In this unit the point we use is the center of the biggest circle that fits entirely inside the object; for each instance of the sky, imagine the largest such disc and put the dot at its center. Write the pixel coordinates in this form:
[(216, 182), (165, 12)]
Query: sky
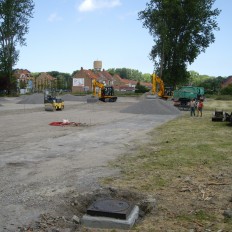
[(65, 35)]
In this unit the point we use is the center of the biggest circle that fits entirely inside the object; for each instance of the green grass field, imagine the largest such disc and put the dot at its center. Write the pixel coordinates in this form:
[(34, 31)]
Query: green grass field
[(187, 167)]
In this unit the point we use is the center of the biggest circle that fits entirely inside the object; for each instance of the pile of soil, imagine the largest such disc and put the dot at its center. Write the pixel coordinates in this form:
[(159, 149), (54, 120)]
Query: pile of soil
[(38, 98), (152, 106), (70, 97)]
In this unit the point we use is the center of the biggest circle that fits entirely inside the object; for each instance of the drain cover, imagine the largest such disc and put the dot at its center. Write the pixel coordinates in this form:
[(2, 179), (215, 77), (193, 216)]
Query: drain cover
[(110, 208)]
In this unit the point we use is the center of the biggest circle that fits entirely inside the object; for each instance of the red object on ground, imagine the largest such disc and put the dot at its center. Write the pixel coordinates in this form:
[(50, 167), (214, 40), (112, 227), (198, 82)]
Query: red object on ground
[(64, 124)]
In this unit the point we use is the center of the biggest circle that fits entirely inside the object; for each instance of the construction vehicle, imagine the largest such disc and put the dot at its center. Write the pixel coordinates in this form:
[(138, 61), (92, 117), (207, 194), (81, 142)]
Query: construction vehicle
[(228, 117), (221, 116), (218, 116), (52, 102), (158, 88), (105, 93), (183, 96)]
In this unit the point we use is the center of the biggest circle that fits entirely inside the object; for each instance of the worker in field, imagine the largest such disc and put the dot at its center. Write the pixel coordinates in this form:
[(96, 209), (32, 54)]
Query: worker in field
[(200, 108), (192, 107)]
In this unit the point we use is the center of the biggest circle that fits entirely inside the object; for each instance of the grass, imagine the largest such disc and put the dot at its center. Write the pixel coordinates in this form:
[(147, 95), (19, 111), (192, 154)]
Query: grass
[(187, 166)]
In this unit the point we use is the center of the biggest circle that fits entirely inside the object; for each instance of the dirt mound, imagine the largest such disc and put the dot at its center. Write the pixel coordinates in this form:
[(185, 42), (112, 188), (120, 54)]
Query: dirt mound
[(70, 97), (2, 99), (38, 98), (152, 106)]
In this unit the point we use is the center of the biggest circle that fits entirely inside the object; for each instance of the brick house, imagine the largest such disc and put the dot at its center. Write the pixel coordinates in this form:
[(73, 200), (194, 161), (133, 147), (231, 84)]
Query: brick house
[(105, 77), (226, 82), (25, 82), (82, 80), (45, 81)]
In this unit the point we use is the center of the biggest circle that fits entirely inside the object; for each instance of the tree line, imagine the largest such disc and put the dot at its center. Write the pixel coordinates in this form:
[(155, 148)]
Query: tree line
[(181, 30)]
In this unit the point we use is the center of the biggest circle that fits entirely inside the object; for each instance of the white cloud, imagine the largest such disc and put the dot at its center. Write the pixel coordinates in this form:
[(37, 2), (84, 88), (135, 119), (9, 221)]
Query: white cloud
[(54, 17), (91, 5)]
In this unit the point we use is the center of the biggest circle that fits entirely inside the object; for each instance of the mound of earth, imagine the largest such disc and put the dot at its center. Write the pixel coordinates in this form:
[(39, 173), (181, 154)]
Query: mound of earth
[(152, 106), (70, 97), (2, 99), (38, 98)]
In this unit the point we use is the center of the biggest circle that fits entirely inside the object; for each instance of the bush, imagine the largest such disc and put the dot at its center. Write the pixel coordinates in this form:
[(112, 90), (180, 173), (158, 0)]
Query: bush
[(140, 88), (227, 90)]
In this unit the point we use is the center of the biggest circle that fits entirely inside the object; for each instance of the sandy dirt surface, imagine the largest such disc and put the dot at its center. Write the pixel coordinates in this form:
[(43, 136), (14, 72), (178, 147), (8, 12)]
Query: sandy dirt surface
[(40, 165)]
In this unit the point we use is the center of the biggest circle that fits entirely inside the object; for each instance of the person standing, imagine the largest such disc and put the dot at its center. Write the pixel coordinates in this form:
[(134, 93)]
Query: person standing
[(192, 107), (199, 108)]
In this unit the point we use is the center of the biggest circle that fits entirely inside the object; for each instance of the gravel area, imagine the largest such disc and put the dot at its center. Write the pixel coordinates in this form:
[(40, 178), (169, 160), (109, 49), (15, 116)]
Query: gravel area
[(152, 106), (43, 166)]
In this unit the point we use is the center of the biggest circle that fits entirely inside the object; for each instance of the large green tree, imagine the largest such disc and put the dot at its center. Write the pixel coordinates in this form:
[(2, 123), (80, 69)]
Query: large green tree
[(127, 73), (181, 30), (14, 25), (64, 80)]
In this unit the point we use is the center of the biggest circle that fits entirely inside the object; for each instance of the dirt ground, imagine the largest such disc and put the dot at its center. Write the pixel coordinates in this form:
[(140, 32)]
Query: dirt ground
[(43, 168)]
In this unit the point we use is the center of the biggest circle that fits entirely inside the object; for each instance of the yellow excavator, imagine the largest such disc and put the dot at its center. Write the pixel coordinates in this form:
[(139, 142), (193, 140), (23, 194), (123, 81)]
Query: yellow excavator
[(105, 93), (52, 102), (161, 92)]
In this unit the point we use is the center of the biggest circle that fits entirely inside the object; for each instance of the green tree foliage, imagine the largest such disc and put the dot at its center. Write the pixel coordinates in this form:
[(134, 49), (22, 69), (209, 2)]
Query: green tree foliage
[(74, 72), (64, 80), (140, 88), (181, 30), (227, 90), (196, 79), (146, 77), (126, 73), (212, 85), (14, 20)]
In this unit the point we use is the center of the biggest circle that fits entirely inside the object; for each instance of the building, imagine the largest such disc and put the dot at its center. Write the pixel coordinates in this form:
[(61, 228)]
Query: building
[(82, 80), (45, 81), (25, 81)]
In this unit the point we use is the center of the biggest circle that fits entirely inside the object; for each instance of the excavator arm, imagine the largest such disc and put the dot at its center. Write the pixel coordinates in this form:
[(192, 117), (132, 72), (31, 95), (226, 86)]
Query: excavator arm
[(100, 86), (157, 81)]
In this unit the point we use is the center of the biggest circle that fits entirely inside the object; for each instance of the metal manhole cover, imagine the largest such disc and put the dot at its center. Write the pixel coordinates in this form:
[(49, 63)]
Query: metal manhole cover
[(110, 208)]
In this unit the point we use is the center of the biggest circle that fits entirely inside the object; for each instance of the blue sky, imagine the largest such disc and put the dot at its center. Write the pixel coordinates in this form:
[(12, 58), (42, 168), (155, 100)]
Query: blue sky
[(66, 35)]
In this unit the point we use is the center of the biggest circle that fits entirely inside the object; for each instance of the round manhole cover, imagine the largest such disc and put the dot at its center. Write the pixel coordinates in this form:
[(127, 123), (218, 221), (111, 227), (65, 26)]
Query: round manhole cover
[(109, 205)]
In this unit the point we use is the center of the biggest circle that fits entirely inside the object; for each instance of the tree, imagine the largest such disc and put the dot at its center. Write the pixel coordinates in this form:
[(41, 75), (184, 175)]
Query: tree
[(181, 30), (227, 90), (64, 80), (196, 79), (126, 73), (14, 20)]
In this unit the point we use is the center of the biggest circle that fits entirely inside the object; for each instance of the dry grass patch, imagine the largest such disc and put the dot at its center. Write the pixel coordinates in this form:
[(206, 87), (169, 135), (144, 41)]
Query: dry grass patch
[(186, 166)]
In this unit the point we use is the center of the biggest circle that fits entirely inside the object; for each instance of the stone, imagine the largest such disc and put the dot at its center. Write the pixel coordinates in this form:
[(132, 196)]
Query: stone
[(76, 219)]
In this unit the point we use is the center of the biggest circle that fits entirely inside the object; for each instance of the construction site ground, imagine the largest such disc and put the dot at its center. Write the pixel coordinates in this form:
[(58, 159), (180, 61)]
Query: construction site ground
[(43, 167)]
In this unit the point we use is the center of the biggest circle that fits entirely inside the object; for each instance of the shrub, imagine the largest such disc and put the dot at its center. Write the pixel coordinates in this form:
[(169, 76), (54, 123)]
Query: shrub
[(140, 88), (227, 90)]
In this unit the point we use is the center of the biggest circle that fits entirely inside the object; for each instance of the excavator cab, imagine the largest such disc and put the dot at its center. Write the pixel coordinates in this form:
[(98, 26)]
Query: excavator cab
[(105, 93)]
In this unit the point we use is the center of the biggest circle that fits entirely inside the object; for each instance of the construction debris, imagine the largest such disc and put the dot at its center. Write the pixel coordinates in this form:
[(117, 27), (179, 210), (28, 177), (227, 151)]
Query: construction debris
[(67, 123)]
